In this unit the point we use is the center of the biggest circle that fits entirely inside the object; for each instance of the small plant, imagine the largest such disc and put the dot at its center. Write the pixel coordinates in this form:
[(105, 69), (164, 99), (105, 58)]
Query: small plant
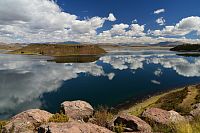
[(172, 100), (102, 116), (2, 123), (119, 128), (195, 125), (62, 118), (197, 98)]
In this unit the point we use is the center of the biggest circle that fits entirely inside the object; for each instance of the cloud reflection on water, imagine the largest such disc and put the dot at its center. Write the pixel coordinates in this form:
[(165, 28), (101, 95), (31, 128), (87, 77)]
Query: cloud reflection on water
[(24, 80)]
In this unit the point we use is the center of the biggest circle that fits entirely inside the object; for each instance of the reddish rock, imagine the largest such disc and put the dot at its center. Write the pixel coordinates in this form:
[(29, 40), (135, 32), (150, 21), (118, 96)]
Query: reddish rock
[(176, 118), (157, 115), (77, 109), (27, 121), (164, 117), (195, 112), (133, 123), (72, 127)]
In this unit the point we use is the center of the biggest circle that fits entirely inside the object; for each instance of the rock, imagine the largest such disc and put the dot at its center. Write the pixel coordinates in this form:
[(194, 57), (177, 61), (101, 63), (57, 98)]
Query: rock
[(157, 115), (27, 121), (132, 123), (163, 117), (77, 110), (196, 106), (176, 118), (72, 127), (195, 112), (189, 118)]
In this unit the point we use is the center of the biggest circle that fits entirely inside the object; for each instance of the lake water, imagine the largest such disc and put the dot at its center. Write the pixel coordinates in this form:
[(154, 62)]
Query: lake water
[(42, 82)]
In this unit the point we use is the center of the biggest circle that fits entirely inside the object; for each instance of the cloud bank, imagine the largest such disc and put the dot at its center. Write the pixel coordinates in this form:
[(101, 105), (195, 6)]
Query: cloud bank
[(38, 21)]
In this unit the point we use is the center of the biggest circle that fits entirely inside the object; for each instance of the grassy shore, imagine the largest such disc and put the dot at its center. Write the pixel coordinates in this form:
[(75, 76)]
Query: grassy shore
[(179, 99)]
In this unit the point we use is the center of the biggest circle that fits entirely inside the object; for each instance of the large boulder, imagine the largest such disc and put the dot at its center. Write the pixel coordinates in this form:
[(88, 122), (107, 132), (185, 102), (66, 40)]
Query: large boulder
[(72, 127), (27, 121), (132, 123), (163, 117), (77, 110), (195, 112), (176, 118), (157, 115)]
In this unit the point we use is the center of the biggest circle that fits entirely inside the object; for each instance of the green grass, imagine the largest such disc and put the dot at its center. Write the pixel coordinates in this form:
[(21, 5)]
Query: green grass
[(150, 102), (195, 125), (171, 101), (197, 98), (59, 118)]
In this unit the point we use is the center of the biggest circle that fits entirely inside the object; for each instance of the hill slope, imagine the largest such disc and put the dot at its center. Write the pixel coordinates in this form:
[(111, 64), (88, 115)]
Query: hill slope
[(59, 50)]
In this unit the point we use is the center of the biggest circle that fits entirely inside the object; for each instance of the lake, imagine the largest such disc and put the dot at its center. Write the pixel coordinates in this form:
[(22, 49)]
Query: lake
[(113, 79)]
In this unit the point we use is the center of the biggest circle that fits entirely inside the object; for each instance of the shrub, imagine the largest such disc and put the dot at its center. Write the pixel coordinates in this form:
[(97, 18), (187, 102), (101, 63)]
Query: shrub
[(157, 127), (172, 100), (62, 118), (102, 116), (2, 123), (197, 98), (119, 128)]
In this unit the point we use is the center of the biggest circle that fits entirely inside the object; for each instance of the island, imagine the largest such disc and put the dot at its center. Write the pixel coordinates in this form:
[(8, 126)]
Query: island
[(59, 50), (186, 48)]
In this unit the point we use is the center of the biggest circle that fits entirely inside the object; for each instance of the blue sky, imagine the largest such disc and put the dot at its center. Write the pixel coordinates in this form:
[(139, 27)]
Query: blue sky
[(127, 10), (100, 21)]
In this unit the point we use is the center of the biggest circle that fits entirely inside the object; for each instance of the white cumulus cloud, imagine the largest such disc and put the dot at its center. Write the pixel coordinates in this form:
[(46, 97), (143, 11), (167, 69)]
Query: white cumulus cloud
[(158, 11), (183, 27), (111, 17), (160, 21), (40, 21)]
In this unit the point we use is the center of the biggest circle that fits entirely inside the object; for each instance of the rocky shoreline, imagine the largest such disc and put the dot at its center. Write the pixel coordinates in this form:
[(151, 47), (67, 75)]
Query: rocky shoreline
[(176, 111)]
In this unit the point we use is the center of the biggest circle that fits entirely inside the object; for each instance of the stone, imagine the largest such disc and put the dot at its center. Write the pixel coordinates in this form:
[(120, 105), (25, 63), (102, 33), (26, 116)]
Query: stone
[(72, 127), (163, 117), (176, 118), (27, 121), (157, 115), (132, 123), (195, 112), (77, 110)]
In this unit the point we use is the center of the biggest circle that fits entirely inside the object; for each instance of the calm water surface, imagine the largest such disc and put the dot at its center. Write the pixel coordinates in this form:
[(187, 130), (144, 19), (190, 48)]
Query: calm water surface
[(40, 82)]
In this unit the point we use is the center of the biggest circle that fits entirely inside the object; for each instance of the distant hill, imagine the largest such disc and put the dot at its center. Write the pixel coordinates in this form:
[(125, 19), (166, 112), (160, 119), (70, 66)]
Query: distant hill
[(5, 46), (187, 48), (167, 44), (59, 50), (68, 42)]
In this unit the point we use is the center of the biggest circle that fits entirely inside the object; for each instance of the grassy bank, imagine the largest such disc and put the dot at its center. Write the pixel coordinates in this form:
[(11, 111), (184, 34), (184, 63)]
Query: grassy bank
[(180, 100)]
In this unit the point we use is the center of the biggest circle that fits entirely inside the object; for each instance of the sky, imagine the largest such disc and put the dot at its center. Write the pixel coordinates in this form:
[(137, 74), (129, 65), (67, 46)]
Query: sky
[(99, 21)]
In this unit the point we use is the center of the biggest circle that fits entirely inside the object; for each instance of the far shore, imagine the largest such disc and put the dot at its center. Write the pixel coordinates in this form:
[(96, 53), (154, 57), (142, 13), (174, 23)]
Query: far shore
[(112, 48), (15, 48)]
